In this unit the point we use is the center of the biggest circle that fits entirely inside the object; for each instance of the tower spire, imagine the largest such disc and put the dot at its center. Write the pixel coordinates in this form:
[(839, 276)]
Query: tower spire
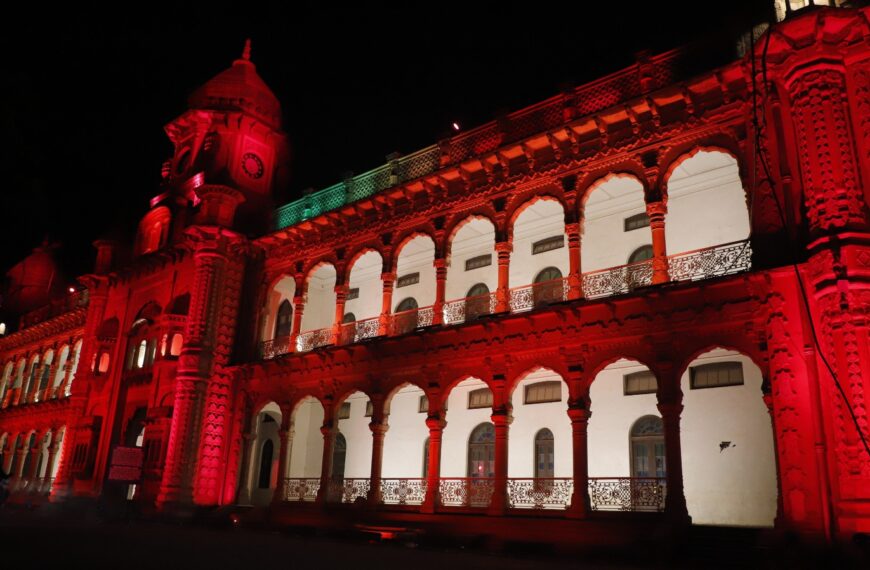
[(246, 53)]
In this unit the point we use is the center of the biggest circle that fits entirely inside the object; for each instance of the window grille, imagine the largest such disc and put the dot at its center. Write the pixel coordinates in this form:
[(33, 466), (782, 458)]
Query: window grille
[(344, 411), (636, 222), (541, 392), (481, 398), (643, 382), (548, 244), (716, 374), (478, 262), (353, 294), (409, 279)]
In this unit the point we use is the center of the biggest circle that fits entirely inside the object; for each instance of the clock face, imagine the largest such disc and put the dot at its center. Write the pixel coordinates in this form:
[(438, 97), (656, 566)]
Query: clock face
[(252, 165)]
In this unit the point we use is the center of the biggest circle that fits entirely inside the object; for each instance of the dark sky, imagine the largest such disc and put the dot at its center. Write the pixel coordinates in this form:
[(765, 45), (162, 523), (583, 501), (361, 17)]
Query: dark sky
[(87, 93)]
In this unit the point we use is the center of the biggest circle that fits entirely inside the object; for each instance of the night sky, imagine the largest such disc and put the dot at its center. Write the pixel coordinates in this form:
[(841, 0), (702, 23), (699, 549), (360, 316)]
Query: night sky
[(85, 101)]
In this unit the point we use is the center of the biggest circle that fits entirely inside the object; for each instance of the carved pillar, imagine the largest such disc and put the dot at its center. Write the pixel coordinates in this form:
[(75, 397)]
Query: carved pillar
[(286, 434), (440, 289), (670, 405), (503, 250), (768, 402), (299, 309), (328, 431), (656, 212), (575, 290), (389, 281), (820, 112), (194, 370), (18, 461), (579, 414), (340, 299), (379, 427), (502, 420), (249, 440), (433, 474)]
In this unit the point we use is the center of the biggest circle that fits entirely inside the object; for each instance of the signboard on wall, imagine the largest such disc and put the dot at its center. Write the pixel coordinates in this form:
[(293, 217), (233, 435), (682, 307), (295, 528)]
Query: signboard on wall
[(126, 464)]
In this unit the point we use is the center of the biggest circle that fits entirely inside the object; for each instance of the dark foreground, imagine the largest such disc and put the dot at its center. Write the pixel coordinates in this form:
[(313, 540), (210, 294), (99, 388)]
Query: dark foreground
[(48, 537)]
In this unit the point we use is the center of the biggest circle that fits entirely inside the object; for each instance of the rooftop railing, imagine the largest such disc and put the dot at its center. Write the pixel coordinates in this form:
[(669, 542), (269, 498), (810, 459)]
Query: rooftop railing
[(67, 303)]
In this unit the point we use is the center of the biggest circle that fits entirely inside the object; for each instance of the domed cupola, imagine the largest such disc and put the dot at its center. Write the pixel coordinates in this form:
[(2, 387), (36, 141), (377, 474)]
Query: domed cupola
[(239, 88)]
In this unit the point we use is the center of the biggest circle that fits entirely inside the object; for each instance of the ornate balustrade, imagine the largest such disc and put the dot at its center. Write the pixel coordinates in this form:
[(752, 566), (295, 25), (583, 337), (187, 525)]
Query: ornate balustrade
[(709, 262), (540, 493), (276, 347), (65, 304), (310, 340), (538, 295), (627, 493), (617, 280), (407, 321), (403, 491), (469, 308), (347, 490), (303, 490), (695, 265), (471, 492)]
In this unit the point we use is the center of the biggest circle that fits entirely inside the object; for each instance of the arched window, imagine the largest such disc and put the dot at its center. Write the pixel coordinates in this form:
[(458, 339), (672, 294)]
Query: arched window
[(481, 451), (348, 318), (477, 301), (648, 447), (175, 346), (544, 454), (140, 354), (548, 287), (266, 453), (103, 366), (407, 304), (284, 323), (425, 458), (642, 253), (339, 453), (406, 318)]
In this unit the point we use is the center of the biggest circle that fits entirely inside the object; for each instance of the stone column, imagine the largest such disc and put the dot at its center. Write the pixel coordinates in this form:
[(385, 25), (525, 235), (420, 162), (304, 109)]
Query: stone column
[(502, 420), (440, 289), (328, 432), (768, 402), (389, 281), (575, 289), (379, 427), (579, 414), (433, 475), (286, 434), (670, 405), (656, 212), (298, 310), (503, 250), (340, 299), (249, 440)]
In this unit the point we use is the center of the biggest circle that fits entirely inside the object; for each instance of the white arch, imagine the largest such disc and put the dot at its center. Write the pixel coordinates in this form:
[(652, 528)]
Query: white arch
[(474, 240), (320, 300), (365, 276), (605, 242), (416, 256), (541, 220)]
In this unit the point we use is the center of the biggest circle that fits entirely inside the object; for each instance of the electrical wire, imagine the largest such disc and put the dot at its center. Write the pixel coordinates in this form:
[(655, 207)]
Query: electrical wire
[(756, 123)]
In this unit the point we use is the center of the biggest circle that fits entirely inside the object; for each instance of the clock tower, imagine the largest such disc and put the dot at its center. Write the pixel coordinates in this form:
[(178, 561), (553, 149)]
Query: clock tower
[(231, 136)]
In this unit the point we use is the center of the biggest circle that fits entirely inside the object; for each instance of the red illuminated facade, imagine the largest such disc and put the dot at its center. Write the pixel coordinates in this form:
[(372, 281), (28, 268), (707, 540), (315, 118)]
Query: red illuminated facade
[(167, 350)]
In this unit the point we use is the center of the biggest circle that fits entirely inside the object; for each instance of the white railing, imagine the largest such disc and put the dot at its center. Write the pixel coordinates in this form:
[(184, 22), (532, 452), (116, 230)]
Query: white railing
[(407, 321), (538, 295), (617, 280), (627, 493), (304, 490), (403, 491), (348, 490), (310, 340), (473, 492), (540, 493), (708, 262)]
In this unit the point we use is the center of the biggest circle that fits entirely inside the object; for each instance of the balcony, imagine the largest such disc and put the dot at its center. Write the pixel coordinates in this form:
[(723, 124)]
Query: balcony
[(697, 265), (620, 494)]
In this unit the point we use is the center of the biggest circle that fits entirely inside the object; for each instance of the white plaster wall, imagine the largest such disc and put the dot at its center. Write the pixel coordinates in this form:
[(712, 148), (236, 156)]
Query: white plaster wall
[(604, 242), (543, 219), (284, 289), (529, 419), (475, 238), (406, 436), (706, 203), (418, 255), (460, 423), (735, 486), (613, 414), (366, 275), (307, 451), (320, 307), (358, 461)]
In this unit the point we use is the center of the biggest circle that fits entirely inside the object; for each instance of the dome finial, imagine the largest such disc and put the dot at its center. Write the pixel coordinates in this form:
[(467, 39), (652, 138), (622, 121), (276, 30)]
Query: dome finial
[(246, 53)]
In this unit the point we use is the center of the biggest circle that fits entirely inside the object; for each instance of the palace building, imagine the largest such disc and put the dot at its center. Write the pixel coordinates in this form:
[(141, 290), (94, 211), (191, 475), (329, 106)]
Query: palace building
[(642, 300)]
